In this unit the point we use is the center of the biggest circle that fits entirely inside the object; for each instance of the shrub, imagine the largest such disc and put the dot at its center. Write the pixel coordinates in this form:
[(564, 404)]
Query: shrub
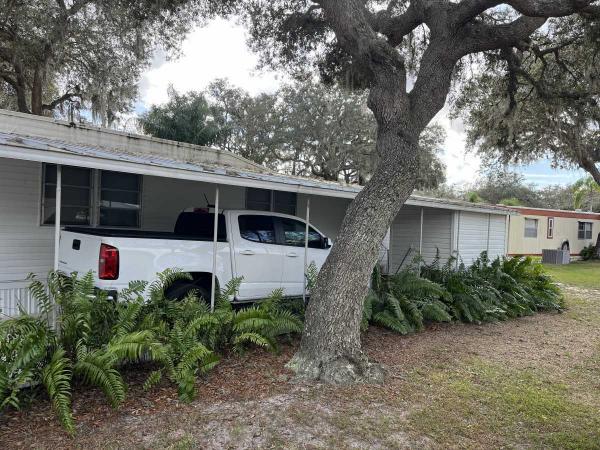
[(95, 336), (588, 252), (483, 292)]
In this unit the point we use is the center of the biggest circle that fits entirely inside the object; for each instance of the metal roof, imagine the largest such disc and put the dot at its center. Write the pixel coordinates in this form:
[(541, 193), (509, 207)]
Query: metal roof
[(34, 148)]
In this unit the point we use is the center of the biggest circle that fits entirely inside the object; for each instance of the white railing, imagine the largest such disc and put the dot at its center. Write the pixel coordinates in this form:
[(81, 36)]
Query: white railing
[(14, 297)]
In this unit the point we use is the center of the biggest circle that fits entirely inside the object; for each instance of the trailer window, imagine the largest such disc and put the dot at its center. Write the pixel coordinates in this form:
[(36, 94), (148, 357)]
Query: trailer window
[(550, 231), (266, 200), (257, 229), (119, 199), (531, 226), (76, 196), (584, 230)]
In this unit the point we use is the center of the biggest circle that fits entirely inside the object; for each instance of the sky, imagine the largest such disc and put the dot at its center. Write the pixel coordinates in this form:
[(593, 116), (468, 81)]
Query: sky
[(219, 50)]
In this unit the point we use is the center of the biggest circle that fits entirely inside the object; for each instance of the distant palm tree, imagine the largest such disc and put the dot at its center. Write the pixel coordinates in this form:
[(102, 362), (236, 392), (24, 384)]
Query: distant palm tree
[(585, 188)]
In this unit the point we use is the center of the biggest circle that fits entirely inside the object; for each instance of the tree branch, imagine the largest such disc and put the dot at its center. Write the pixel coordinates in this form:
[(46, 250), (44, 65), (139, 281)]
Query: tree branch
[(469, 9), (396, 27), (63, 98), (480, 37)]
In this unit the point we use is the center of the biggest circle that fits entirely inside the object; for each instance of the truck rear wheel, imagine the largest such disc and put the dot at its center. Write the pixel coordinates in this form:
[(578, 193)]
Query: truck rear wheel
[(181, 288)]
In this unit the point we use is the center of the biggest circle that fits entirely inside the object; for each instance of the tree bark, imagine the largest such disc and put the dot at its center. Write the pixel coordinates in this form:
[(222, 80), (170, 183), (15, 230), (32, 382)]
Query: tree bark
[(37, 92), (331, 348)]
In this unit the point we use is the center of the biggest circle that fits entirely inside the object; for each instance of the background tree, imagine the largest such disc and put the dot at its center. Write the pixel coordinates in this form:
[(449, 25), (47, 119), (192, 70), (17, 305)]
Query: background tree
[(303, 128), (540, 100), (184, 118), (586, 194), (377, 45), (508, 186), (90, 51)]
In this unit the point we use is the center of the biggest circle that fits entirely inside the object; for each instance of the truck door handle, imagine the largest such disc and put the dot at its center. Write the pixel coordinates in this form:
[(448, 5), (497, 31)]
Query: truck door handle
[(292, 254), (246, 252)]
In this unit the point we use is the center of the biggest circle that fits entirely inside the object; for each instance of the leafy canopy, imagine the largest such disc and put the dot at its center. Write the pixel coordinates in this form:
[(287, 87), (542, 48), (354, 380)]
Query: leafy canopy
[(88, 51)]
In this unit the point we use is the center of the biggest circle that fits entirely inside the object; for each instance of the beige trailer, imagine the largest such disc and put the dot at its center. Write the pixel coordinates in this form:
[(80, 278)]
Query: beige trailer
[(535, 229)]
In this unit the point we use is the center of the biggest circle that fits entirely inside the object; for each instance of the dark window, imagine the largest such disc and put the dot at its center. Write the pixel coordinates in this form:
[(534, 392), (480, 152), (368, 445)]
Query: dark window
[(284, 202), (119, 199), (258, 199), (276, 201), (75, 199), (294, 232), (550, 231), (257, 229), (584, 230)]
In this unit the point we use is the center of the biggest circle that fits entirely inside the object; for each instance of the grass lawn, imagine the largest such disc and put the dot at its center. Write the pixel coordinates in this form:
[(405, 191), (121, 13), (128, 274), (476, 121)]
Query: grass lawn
[(578, 273)]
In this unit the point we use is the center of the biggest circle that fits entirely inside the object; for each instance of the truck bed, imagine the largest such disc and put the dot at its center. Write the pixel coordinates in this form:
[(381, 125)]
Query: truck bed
[(129, 233)]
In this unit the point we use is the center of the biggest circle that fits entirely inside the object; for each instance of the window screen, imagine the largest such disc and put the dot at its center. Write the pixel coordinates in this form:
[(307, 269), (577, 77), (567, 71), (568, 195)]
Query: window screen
[(75, 199), (266, 200), (284, 202), (119, 199), (294, 232), (584, 230), (258, 199), (531, 228), (257, 229)]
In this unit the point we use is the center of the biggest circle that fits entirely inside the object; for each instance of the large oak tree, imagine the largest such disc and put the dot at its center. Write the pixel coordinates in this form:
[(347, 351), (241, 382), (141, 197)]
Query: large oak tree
[(372, 44)]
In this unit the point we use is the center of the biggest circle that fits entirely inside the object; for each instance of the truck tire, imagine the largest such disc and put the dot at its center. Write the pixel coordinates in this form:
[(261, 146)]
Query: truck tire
[(181, 288)]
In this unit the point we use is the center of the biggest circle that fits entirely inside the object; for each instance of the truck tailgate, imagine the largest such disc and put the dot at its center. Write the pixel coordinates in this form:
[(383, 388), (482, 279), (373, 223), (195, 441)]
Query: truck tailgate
[(79, 252)]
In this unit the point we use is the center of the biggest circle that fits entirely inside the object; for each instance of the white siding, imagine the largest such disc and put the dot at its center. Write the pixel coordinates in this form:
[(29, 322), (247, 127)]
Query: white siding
[(472, 236), (404, 235), (25, 246), (437, 234), (497, 243)]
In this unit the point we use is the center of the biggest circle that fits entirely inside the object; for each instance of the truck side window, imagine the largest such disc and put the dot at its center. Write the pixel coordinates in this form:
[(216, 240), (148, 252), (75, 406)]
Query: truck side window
[(257, 229), (293, 234)]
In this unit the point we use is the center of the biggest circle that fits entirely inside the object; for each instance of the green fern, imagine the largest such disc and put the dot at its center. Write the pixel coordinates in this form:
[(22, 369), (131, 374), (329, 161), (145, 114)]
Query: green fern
[(56, 377)]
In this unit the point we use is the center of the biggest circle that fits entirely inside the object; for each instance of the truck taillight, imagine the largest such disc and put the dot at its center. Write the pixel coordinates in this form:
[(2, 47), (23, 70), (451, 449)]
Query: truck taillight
[(108, 265)]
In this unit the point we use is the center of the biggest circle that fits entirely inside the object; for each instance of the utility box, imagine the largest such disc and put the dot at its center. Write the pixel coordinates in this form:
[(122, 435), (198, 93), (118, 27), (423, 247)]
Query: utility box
[(556, 256)]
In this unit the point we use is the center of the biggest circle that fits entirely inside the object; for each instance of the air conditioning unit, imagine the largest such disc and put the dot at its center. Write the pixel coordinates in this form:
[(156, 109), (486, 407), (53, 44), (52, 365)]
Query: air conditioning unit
[(556, 256)]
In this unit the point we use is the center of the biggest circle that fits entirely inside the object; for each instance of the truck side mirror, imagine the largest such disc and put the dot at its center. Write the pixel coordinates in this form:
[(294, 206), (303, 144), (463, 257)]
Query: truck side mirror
[(326, 242)]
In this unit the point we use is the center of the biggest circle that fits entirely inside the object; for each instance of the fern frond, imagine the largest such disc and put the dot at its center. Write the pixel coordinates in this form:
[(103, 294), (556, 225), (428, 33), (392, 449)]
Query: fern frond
[(56, 377)]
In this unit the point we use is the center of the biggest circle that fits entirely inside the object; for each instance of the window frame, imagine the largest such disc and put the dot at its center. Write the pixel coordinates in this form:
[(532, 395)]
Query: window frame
[(98, 197), (525, 228), (94, 199), (271, 201), (584, 230), (44, 204), (550, 228)]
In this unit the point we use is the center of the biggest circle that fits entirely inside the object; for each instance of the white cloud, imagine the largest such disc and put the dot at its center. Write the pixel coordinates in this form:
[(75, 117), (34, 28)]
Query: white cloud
[(217, 50), (462, 167)]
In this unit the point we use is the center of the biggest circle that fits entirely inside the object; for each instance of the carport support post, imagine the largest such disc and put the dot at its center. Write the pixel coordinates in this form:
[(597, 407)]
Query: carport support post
[(214, 261), (421, 241), (57, 214), (306, 249)]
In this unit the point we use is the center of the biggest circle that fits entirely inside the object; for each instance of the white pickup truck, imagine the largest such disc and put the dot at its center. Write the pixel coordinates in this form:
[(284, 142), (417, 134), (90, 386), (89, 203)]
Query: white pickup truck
[(265, 248)]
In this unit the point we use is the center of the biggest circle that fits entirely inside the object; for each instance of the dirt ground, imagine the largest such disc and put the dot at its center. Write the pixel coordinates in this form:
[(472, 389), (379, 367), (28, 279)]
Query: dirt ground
[(527, 383)]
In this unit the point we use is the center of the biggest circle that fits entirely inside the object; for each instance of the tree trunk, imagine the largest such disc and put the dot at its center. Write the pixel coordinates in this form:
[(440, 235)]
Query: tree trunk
[(36, 92), (331, 349)]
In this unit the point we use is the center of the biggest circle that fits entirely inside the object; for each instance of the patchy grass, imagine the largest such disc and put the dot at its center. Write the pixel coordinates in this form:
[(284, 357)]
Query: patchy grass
[(579, 273), (527, 383)]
